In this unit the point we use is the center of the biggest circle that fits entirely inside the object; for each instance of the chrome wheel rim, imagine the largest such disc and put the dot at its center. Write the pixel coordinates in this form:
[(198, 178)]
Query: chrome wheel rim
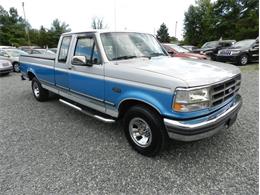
[(16, 67), (244, 60), (140, 132), (36, 89)]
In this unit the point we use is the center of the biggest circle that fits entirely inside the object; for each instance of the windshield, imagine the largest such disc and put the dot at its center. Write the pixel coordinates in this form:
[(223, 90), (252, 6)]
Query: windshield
[(244, 43), (15, 52), (119, 46), (210, 44), (178, 48)]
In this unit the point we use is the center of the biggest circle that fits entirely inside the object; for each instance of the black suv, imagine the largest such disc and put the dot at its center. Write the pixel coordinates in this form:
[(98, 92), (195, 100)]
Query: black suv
[(211, 48), (241, 52)]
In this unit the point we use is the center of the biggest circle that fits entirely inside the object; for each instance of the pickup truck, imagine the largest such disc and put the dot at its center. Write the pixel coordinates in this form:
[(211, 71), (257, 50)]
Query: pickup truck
[(129, 77)]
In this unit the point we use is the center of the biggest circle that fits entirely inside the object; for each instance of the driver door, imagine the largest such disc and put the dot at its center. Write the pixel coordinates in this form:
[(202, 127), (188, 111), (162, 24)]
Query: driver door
[(87, 80)]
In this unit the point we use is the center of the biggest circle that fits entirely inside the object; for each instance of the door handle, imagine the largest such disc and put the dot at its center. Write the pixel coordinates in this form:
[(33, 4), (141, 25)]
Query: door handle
[(70, 67)]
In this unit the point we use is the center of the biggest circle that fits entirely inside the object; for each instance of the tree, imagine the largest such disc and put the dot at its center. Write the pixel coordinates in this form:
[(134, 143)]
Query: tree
[(57, 28), (162, 34), (229, 19), (12, 28), (173, 39), (237, 19), (199, 23), (97, 23)]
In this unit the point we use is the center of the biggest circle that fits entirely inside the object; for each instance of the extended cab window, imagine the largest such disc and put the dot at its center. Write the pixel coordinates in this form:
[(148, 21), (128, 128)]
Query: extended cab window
[(86, 46), (64, 49)]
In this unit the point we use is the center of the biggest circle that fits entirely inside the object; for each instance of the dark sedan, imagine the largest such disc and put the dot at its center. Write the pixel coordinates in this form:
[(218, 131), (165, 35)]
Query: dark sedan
[(241, 52)]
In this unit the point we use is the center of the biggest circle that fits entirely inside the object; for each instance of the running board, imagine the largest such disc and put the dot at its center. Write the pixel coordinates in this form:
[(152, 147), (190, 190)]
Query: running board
[(101, 118)]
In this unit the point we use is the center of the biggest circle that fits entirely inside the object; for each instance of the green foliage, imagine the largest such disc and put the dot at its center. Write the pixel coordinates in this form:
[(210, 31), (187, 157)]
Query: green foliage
[(229, 19), (162, 34), (173, 40), (98, 23), (13, 31), (11, 28)]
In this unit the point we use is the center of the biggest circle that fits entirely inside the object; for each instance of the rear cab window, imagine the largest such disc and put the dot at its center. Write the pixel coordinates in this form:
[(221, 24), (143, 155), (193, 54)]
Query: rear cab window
[(64, 49)]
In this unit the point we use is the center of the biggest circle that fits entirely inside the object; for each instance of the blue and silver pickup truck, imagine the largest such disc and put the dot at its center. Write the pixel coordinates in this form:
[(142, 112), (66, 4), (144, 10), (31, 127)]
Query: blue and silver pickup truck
[(129, 76)]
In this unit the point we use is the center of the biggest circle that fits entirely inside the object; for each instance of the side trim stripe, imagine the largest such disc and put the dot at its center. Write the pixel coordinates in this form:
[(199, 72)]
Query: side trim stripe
[(88, 96)]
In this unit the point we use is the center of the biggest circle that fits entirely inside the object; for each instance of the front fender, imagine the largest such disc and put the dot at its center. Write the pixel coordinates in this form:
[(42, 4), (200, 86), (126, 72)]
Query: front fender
[(159, 100)]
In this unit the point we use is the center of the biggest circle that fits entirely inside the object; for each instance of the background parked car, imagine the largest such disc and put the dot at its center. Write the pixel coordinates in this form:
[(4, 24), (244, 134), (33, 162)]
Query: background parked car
[(28, 48), (5, 67), (6, 47), (178, 51), (211, 48), (12, 55), (241, 52), (190, 47), (41, 51), (53, 50)]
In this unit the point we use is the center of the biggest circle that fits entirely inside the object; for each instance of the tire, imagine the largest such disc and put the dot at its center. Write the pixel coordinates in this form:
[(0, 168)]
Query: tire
[(4, 74), (39, 93), (150, 141), (16, 67), (213, 57), (243, 60)]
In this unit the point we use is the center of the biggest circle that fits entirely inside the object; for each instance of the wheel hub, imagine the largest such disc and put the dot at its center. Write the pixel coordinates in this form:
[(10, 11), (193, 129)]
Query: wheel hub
[(244, 60), (36, 90), (140, 132)]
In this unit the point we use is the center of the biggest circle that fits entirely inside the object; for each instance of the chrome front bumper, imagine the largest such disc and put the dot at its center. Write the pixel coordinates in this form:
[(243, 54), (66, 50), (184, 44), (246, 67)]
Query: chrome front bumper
[(188, 130)]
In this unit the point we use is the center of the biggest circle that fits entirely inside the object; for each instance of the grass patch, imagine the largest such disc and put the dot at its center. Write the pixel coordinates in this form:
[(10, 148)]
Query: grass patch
[(249, 68)]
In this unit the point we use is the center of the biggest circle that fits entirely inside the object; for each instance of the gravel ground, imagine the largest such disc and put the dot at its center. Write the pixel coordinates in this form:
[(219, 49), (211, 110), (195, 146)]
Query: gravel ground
[(48, 148)]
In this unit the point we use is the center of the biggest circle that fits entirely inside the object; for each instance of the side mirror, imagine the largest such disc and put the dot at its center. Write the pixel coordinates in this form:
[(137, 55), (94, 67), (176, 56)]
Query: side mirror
[(6, 55), (80, 61)]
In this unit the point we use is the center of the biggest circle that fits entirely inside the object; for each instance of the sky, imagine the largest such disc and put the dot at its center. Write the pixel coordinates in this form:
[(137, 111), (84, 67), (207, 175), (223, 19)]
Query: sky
[(132, 15)]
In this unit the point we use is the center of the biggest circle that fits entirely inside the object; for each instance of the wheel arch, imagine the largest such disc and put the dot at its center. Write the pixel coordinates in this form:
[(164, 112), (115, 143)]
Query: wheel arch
[(14, 62), (125, 104), (31, 75)]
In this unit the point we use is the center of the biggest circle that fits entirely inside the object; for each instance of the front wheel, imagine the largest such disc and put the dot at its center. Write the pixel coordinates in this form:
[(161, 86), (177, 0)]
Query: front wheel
[(39, 93), (243, 59), (16, 67), (144, 130)]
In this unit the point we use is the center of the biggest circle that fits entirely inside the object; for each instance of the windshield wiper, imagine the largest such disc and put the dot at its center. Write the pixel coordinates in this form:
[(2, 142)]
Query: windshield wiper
[(156, 54), (129, 57)]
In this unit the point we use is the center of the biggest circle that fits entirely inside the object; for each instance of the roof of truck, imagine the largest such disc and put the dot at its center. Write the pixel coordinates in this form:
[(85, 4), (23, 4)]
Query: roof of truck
[(101, 31)]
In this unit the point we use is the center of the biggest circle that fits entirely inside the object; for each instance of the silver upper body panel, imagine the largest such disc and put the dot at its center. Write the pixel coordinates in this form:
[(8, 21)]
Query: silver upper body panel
[(168, 72), (163, 73)]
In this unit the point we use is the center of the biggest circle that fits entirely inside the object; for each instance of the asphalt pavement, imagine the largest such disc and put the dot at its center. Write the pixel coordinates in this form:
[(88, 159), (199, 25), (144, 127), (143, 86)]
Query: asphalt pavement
[(49, 148)]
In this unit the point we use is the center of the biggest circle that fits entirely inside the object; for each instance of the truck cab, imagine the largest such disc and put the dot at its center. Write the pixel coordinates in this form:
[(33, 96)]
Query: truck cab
[(129, 76)]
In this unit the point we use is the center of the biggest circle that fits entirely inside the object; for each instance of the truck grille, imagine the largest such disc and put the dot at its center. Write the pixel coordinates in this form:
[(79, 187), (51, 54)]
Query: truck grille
[(6, 64), (223, 91)]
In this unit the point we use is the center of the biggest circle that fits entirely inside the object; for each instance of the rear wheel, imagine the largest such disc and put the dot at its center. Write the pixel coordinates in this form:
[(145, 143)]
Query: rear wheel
[(39, 93), (144, 130)]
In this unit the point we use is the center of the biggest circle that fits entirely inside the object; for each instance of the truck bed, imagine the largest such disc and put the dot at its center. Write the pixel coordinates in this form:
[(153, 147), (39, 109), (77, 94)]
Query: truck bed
[(40, 65)]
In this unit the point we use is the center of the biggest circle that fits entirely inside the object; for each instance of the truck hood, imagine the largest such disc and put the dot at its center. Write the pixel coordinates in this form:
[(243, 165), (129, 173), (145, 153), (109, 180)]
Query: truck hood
[(193, 72)]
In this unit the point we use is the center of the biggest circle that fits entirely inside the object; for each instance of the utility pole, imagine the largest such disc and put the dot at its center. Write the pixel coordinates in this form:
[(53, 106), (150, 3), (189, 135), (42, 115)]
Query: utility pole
[(26, 27), (176, 29), (115, 14)]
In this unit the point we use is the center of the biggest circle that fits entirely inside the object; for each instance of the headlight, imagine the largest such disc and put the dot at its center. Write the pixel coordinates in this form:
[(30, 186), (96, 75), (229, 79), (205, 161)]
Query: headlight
[(234, 52), (192, 57), (191, 100)]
